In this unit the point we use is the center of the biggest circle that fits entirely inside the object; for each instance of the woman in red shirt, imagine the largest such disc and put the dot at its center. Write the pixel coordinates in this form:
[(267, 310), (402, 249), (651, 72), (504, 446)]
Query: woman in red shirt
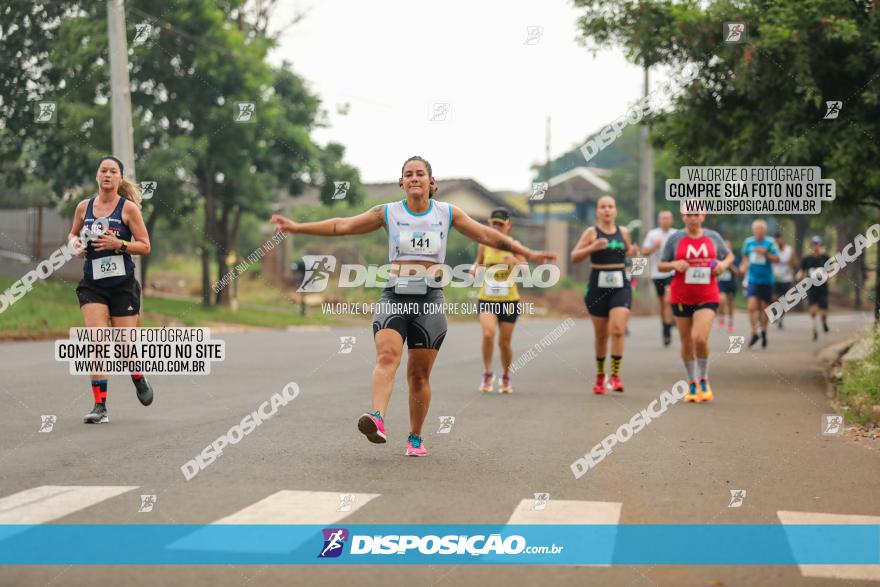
[(697, 256)]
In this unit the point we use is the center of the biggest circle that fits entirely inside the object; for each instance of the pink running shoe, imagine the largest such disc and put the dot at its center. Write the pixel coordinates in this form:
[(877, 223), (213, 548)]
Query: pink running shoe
[(599, 386), (616, 384), (505, 386), (415, 446), (487, 383), (373, 427), (730, 328)]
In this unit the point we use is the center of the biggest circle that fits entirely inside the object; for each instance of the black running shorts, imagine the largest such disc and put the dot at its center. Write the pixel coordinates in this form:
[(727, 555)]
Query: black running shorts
[(687, 310), (123, 299), (419, 319), (600, 300)]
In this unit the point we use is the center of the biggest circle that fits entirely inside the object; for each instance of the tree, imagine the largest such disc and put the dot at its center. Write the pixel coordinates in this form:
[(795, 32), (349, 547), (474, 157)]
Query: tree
[(202, 67), (762, 102)]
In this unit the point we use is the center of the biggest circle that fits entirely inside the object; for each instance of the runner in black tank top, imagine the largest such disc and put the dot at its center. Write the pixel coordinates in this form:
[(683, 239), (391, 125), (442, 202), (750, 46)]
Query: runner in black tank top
[(609, 294), (109, 294)]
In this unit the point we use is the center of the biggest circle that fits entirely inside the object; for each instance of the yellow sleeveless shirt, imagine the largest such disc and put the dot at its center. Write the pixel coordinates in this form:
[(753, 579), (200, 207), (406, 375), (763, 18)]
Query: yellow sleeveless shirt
[(501, 288)]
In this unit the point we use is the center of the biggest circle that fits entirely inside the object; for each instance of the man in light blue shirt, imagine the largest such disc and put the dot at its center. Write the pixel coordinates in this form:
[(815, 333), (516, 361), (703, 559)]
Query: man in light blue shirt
[(759, 253)]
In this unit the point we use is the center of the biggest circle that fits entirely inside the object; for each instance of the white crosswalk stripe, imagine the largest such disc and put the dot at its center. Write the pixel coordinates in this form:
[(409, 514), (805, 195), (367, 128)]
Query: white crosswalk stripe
[(46, 503), (286, 507), (300, 507), (848, 572), (564, 511)]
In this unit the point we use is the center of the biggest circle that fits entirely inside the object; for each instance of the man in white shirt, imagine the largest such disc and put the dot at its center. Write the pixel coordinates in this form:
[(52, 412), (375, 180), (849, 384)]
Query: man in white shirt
[(655, 239), (783, 270)]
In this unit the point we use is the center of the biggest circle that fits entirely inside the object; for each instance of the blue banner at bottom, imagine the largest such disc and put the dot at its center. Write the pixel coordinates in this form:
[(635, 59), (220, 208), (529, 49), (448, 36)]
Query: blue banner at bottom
[(660, 544)]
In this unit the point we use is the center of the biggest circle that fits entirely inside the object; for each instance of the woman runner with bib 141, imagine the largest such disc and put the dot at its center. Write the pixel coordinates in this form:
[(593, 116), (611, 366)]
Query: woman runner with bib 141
[(418, 229)]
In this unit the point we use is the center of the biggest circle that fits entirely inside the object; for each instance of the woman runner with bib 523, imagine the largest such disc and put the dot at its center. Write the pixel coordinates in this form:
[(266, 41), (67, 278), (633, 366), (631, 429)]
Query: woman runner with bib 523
[(108, 292), (418, 228)]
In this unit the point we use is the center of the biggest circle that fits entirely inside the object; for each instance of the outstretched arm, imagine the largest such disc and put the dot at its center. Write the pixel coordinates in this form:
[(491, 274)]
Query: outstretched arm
[(486, 235), (372, 219)]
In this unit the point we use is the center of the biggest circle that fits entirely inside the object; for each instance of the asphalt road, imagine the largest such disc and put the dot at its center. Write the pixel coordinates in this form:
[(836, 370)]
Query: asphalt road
[(762, 434)]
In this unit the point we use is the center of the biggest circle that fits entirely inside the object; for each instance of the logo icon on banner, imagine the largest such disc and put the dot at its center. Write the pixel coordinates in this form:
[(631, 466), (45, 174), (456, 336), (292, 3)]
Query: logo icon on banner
[(334, 540), (147, 503), (736, 344), (735, 32), (737, 496), (148, 189), (446, 423), (341, 188), (346, 344), (832, 109), (47, 422), (541, 500), (832, 425), (317, 272), (539, 190)]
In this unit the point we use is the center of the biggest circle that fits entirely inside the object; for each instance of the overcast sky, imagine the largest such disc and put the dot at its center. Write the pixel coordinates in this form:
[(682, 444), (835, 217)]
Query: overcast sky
[(393, 59)]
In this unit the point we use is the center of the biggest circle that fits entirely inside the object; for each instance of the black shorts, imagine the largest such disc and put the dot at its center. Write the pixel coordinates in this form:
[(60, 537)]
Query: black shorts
[(600, 300), (505, 311), (780, 287), (419, 319), (687, 310), (818, 296), (727, 287), (123, 299), (661, 284)]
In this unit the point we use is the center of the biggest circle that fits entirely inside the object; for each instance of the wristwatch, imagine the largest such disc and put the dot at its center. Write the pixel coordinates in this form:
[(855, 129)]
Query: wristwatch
[(123, 247)]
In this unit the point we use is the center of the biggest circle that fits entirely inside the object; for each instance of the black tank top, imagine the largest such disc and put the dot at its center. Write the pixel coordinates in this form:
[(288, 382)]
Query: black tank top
[(120, 230), (615, 254)]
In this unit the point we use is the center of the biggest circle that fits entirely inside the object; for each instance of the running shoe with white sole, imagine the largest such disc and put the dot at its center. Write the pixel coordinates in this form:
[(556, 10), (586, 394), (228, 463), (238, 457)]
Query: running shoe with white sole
[(415, 446), (505, 386), (373, 427), (144, 390), (488, 383), (98, 415)]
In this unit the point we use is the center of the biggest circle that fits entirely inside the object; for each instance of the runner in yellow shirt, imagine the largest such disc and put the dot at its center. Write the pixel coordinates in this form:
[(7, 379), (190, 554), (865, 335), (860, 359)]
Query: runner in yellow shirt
[(497, 304)]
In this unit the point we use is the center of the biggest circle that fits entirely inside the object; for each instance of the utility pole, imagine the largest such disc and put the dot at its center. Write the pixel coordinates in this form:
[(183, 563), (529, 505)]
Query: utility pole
[(123, 132), (646, 181)]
